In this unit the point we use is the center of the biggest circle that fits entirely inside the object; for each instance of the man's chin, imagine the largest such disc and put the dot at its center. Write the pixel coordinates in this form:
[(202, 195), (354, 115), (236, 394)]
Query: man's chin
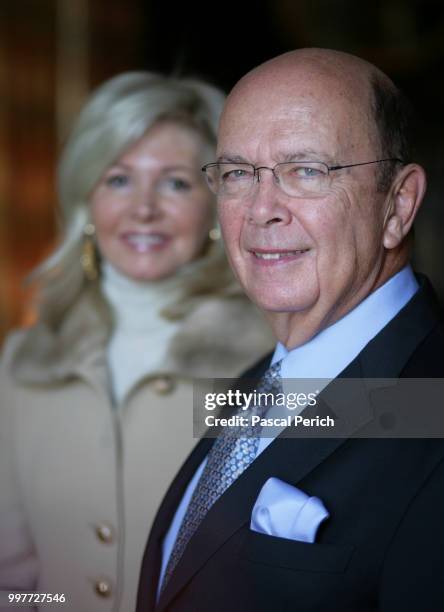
[(276, 306)]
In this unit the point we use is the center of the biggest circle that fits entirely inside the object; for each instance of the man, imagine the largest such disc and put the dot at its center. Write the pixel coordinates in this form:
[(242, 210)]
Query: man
[(316, 200)]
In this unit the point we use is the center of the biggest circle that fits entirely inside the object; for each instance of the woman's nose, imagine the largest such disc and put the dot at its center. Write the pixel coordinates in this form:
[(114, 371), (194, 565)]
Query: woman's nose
[(146, 204)]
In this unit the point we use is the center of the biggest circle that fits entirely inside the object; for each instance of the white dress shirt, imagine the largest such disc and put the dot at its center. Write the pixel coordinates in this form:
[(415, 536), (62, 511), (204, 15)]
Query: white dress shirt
[(322, 357)]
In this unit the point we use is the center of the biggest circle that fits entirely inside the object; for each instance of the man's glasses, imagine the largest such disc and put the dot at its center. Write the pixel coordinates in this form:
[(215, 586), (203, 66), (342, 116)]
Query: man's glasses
[(297, 179)]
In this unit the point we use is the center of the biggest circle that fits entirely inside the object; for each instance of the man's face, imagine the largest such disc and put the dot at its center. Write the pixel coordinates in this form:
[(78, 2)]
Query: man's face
[(315, 255)]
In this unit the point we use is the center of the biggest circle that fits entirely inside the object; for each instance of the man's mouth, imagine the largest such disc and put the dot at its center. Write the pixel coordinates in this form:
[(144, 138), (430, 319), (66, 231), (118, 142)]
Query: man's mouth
[(276, 255)]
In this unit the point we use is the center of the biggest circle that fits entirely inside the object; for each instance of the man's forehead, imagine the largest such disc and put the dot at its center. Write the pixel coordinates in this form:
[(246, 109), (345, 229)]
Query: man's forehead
[(302, 126), (250, 117), (294, 98)]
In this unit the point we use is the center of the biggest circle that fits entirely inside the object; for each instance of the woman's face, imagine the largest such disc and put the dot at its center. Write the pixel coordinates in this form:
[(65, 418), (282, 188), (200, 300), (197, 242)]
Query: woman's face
[(152, 209)]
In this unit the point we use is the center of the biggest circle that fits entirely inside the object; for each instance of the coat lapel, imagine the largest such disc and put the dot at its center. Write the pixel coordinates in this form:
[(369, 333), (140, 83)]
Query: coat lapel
[(149, 576)]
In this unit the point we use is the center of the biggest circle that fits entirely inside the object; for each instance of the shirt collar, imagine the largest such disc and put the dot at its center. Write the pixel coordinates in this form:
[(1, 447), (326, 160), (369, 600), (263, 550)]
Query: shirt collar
[(330, 351)]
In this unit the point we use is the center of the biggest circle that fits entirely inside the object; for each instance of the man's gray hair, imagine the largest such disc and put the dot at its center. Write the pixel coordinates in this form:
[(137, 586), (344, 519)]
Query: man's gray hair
[(393, 117)]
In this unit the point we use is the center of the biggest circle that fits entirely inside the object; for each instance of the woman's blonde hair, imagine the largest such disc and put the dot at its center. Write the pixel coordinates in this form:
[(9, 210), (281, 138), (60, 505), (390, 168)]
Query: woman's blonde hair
[(116, 115)]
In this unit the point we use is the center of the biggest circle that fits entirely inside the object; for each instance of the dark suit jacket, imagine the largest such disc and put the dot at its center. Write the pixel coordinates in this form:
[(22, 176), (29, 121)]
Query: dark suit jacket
[(382, 547)]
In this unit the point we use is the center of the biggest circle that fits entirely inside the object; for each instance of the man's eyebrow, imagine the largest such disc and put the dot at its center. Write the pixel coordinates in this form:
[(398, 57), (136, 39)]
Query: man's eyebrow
[(307, 155), (235, 159), (300, 155)]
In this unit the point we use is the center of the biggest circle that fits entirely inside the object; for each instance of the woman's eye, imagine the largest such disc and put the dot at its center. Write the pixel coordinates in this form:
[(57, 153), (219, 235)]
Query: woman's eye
[(117, 180), (178, 184)]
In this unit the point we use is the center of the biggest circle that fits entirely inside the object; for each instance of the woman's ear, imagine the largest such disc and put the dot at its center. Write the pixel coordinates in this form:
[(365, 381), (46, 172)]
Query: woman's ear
[(405, 197)]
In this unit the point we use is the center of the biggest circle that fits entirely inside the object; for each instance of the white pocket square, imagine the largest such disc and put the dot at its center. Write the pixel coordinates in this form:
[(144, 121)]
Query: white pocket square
[(285, 511)]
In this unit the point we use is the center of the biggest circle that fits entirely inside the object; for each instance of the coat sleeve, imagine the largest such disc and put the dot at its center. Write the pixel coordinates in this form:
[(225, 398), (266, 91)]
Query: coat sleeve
[(412, 574), (18, 563)]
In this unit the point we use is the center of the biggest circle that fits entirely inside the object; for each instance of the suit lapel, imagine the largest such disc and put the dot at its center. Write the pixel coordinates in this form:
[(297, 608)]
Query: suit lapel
[(151, 563), (149, 575), (387, 354)]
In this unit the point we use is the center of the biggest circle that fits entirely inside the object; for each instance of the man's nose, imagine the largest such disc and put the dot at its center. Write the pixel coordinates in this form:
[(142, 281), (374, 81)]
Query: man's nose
[(267, 200)]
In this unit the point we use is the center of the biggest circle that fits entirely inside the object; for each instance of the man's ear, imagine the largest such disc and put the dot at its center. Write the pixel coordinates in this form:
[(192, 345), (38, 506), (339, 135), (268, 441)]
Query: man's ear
[(405, 197)]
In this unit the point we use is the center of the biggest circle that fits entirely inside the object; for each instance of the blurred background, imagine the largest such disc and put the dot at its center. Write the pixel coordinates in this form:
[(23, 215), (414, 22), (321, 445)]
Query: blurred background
[(53, 52)]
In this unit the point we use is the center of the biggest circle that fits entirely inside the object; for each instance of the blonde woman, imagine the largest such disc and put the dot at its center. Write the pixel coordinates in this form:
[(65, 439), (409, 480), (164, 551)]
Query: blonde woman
[(135, 303)]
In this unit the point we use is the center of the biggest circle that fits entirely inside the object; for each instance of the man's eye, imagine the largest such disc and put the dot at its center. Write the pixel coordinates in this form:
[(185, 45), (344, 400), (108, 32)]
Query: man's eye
[(117, 180), (237, 174), (307, 172)]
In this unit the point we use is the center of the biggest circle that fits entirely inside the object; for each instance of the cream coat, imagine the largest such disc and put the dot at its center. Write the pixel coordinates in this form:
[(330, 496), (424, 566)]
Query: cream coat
[(81, 481)]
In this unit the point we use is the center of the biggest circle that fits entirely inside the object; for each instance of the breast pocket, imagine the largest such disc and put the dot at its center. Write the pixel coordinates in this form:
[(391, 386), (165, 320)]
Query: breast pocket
[(290, 554)]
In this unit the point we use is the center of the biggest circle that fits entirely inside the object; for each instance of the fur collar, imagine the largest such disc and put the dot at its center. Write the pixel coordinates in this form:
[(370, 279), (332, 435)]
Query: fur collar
[(221, 337)]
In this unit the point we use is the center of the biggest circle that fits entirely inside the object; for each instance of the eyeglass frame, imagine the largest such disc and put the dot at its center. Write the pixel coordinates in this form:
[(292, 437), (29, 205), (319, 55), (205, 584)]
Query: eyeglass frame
[(303, 161)]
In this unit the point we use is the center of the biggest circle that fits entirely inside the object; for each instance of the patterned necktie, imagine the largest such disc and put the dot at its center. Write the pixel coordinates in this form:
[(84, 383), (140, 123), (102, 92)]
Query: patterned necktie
[(229, 456)]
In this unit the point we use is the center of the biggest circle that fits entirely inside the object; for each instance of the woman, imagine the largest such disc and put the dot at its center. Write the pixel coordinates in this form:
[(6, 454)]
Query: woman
[(135, 303)]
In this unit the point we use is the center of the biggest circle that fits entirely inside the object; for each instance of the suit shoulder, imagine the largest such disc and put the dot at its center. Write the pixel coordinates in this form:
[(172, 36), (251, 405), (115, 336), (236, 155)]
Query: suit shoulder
[(427, 361)]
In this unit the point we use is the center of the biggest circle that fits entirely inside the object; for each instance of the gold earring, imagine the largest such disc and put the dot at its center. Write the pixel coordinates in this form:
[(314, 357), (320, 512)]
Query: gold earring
[(88, 258), (214, 234)]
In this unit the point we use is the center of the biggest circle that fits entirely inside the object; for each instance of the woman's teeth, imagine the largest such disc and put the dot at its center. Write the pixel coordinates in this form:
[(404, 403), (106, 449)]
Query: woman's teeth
[(144, 242)]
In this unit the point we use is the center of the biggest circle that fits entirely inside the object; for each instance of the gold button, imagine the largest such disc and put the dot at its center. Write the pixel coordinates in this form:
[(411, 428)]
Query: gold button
[(163, 385), (103, 588), (105, 533)]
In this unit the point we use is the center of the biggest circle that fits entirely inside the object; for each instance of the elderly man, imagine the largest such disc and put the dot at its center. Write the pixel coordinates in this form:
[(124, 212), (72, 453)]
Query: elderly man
[(316, 199)]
